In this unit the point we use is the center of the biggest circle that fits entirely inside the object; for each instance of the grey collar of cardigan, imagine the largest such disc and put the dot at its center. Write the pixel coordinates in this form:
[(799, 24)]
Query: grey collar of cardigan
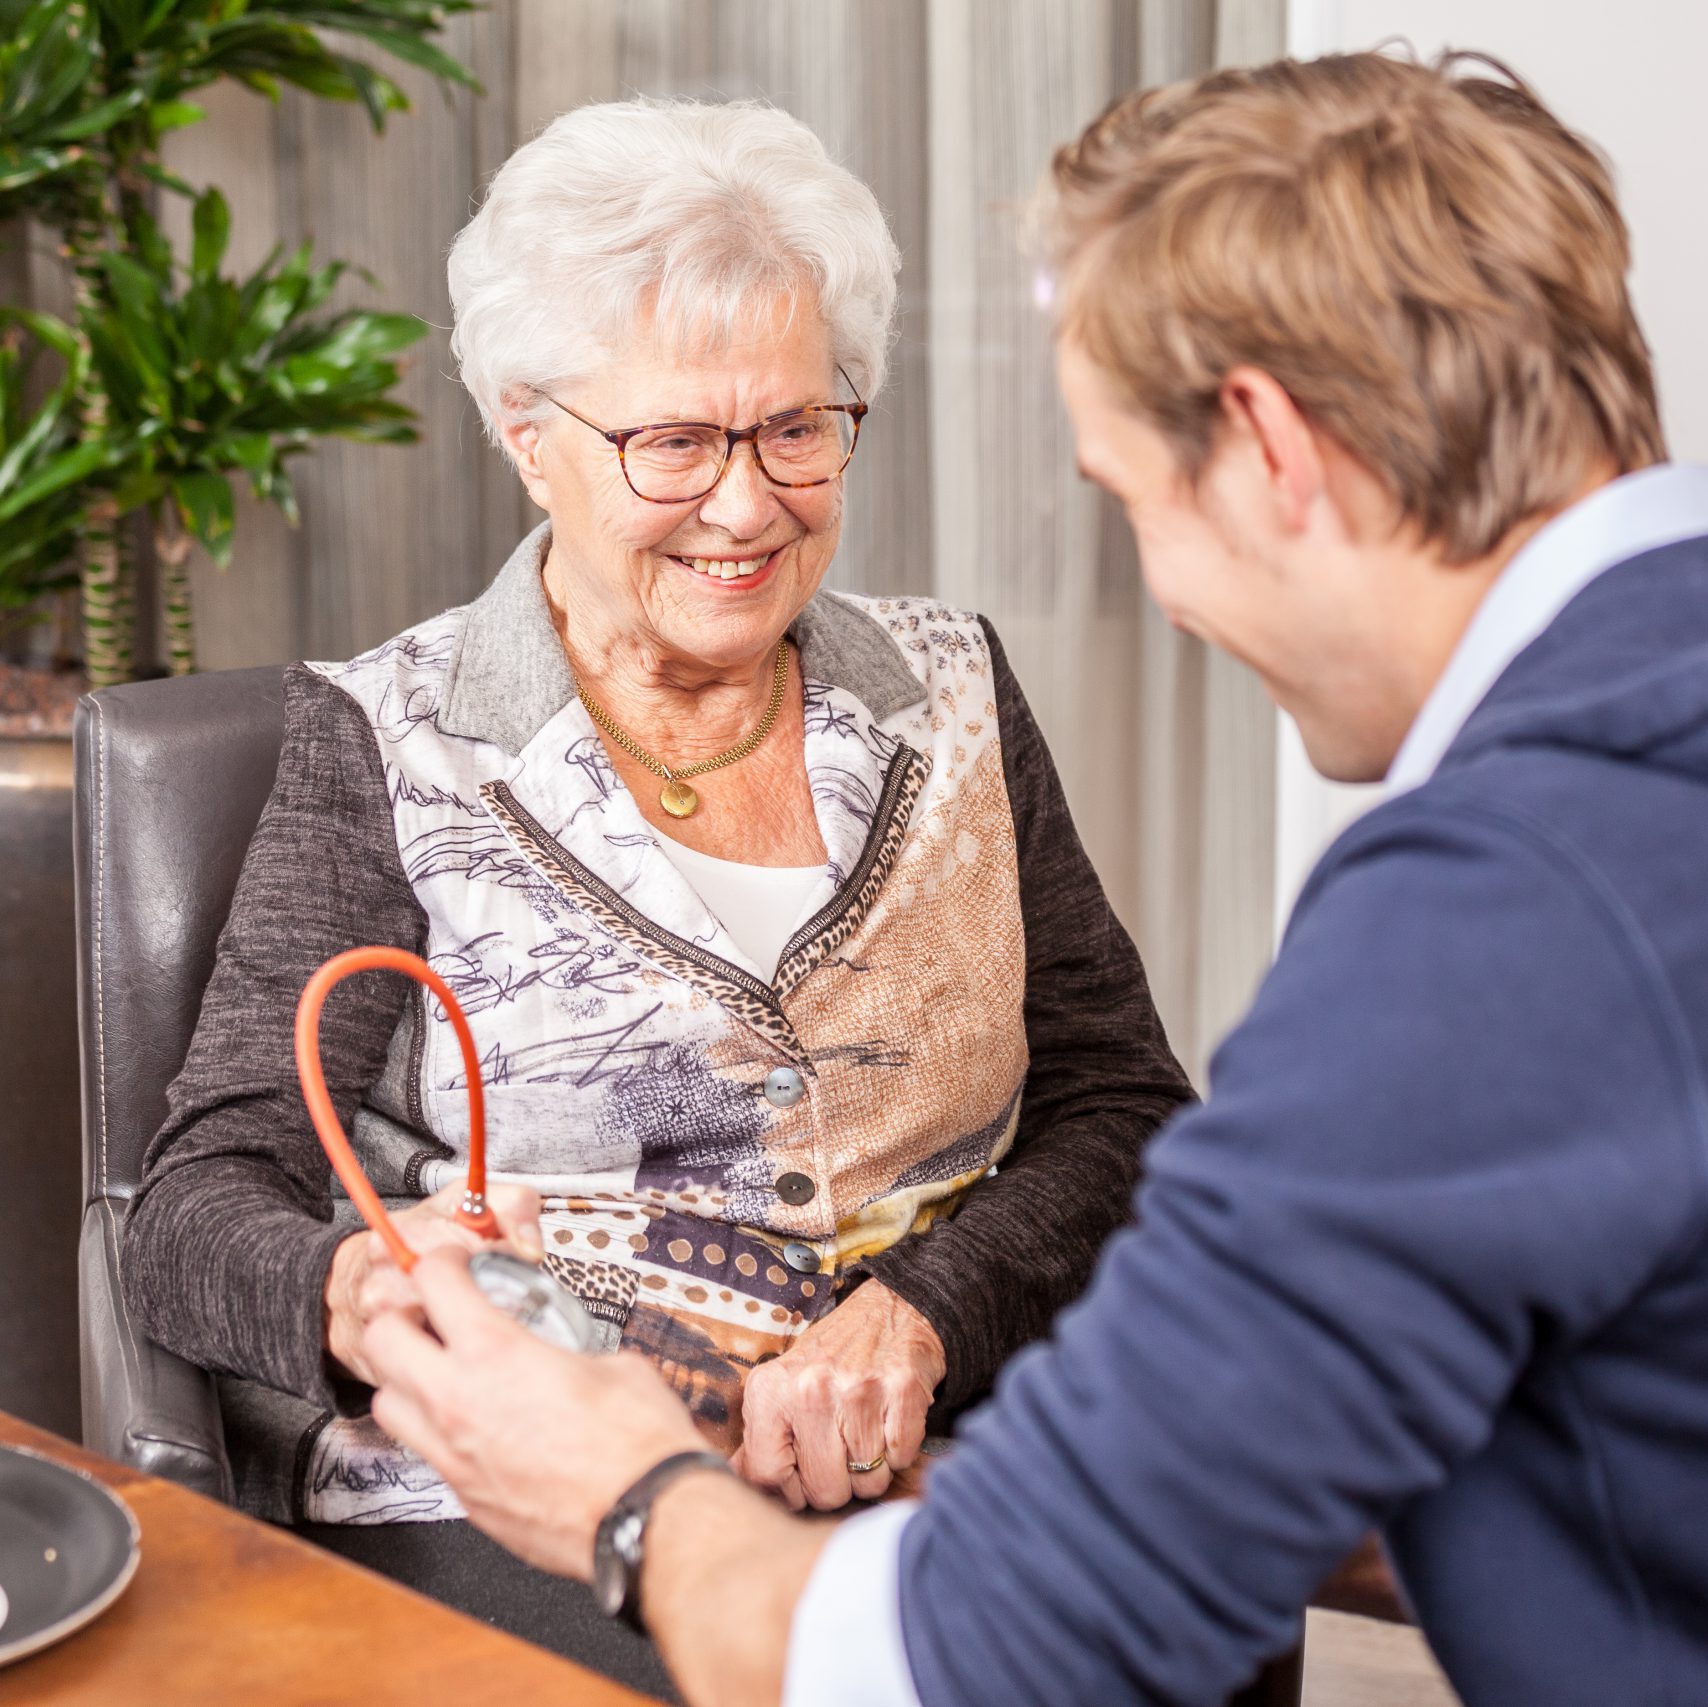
[(509, 677)]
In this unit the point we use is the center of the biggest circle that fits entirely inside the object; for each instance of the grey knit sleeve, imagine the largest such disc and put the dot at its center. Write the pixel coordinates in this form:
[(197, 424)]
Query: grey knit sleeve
[(229, 1237), (1102, 1080)]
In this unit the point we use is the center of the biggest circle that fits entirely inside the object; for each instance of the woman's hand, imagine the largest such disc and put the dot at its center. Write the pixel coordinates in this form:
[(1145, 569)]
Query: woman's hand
[(854, 1386), (364, 1280)]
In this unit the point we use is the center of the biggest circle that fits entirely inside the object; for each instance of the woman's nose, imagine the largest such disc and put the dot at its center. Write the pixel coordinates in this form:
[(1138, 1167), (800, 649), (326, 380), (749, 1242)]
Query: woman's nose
[(743, 502)]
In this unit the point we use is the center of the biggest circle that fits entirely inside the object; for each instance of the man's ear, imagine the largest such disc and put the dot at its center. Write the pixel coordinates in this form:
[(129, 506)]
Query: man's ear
[(523, 440), (1257, 411)]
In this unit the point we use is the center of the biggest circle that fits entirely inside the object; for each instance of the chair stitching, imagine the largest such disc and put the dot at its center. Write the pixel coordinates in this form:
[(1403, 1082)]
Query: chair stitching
[(100, 925)]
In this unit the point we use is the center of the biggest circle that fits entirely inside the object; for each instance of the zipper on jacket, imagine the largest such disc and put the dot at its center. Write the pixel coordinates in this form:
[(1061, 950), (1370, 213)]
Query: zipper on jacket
[(895, 779)]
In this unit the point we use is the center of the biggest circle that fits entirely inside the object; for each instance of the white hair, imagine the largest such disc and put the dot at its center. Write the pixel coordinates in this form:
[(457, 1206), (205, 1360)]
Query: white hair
[(700, 214)]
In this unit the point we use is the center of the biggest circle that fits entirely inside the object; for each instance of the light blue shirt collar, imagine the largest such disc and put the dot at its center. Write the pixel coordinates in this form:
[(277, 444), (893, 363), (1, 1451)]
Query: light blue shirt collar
[(1636, 513)]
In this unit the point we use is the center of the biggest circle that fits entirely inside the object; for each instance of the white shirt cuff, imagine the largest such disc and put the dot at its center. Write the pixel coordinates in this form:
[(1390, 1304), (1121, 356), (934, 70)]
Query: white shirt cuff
[(845, 1644)]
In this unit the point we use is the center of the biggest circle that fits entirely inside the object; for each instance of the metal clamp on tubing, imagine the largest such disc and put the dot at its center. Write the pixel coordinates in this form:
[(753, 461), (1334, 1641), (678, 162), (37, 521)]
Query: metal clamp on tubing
[(474, 1211)]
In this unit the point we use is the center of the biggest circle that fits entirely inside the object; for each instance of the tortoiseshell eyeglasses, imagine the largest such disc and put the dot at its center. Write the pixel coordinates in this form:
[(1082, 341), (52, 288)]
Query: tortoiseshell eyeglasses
[(676, 462)]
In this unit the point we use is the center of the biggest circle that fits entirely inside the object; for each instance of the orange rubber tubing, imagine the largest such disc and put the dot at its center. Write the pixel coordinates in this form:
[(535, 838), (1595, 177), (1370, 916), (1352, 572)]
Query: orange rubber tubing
[(325, 1116)]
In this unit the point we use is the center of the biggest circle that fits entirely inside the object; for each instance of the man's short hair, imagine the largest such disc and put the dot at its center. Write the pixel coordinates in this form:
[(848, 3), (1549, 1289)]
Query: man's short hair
[(1427, 260)]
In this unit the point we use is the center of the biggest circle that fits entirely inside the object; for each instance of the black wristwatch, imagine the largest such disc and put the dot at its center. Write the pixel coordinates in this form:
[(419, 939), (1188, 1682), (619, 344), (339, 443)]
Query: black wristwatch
[(620, 1544)]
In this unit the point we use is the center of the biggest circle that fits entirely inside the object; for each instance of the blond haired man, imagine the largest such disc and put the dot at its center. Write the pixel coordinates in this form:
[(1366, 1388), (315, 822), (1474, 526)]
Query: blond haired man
[(1351, 343)]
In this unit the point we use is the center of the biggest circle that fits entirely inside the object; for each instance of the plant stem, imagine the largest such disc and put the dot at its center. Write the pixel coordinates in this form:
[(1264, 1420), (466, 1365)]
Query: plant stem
[(172, 555), (106, 600), (107, 629)]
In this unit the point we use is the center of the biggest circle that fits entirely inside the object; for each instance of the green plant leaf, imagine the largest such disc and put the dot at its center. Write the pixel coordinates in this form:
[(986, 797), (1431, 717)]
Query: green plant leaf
[(155, 173), (123, 23), (24, 441), (377, 93), (204, 501), (48, 329), (252, 452), (260, 81), (174, 115), (364, 337), (102, 116), (150, 244), (140, 485), (161, 10), (207, 325), (62, 471), (211, 228), (410, 48), (137, 305), (269, 312), (307, 375), (282, 491), (47, 63), (21, 167)]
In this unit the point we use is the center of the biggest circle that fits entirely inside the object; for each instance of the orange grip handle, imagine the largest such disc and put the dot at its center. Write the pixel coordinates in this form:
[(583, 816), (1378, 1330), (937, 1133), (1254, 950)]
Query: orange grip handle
[(473, 1213)]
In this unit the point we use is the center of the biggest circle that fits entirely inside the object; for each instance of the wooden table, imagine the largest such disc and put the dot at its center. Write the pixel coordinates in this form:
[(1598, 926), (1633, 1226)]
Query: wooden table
[(225, 1609)]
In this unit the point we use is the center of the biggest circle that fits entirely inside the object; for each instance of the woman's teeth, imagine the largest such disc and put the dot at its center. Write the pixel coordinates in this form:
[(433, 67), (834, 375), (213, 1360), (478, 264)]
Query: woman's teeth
[(723, 571)]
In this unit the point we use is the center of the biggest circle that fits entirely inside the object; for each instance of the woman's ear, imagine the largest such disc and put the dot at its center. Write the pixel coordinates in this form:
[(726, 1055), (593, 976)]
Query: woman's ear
[(524, 441)]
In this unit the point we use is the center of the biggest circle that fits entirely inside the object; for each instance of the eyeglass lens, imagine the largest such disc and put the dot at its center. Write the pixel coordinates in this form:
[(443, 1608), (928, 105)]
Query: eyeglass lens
[(680, 462)]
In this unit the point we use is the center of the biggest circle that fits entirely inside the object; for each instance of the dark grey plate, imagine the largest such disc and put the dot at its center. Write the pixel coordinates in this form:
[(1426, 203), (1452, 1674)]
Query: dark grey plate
[(68, 1549)]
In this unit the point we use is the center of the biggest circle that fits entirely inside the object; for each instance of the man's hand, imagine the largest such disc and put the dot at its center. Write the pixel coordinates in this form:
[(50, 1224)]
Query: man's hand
[(855, 1385), (363, 1279), (538, 1443)]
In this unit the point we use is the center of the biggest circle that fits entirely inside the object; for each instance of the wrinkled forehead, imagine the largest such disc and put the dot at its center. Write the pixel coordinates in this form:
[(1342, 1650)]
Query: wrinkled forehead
[(771, 351)]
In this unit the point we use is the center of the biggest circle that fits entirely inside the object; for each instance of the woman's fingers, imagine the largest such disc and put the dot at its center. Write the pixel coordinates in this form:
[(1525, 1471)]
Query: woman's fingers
[(820, 1450), (385, 1288), (864, 1437), (366, 1280), (767, 1455), (906, 1404), (807, 1419), (517, 1208)]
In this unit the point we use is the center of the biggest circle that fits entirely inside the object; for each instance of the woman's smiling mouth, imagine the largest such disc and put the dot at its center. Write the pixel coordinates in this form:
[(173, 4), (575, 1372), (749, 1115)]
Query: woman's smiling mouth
[(746, 569)]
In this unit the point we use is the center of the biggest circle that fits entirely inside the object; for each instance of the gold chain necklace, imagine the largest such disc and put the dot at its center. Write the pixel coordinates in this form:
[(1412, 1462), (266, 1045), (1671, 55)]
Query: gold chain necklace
[(676, 797)]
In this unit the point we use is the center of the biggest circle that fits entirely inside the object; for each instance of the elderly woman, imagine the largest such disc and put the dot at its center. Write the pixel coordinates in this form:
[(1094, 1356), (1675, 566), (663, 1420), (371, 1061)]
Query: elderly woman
[(815, 1058)]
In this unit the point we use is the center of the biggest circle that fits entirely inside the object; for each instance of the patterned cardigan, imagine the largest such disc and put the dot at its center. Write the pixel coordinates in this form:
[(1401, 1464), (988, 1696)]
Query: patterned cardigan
[(720, 1158)]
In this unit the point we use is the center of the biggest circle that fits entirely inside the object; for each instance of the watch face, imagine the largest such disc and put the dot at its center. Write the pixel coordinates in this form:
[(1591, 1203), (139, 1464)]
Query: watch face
[(616, 1559), (610, 1577)]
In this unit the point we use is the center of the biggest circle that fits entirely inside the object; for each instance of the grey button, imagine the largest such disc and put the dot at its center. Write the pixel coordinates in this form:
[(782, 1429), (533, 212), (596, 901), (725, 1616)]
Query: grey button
[(796, 1188), (803, 1259), (784, 1087)]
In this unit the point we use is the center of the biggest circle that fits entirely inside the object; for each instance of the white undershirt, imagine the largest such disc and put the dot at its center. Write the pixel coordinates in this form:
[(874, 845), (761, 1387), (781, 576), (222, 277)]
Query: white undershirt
[(759, 905)]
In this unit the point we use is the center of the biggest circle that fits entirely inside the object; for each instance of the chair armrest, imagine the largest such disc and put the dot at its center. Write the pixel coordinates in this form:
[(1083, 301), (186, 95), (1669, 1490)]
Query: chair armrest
[(142, 1405)]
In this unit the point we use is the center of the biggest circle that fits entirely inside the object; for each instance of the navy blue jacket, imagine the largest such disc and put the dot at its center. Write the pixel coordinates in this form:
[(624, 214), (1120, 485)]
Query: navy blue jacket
[(1433, 1257)]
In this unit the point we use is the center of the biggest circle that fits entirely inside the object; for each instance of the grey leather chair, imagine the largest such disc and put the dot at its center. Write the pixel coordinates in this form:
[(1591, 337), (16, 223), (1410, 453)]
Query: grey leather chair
[(170, 781)]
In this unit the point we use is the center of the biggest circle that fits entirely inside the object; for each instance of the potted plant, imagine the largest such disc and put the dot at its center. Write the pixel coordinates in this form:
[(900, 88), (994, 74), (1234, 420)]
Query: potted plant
[(88, 90)]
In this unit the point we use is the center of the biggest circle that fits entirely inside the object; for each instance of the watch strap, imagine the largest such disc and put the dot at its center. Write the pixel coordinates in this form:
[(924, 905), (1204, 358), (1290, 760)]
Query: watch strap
[(635, 1504)]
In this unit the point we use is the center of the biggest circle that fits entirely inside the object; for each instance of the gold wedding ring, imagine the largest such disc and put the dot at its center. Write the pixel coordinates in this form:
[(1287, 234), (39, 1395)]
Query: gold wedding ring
[(867, 1468)]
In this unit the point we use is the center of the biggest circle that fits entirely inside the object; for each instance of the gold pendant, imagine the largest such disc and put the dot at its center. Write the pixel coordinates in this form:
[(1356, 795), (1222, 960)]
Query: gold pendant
[(678, 799)]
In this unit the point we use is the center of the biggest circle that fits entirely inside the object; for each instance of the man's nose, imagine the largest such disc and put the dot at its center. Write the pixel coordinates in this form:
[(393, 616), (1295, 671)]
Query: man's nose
[(743, 502)]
